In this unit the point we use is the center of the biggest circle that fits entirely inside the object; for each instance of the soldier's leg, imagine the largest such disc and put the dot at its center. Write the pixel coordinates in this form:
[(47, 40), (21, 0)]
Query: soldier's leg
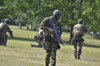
[(80, 49), (1, 40), (75, 50), (53, 58), (48, 52), (74, 43), (53, 54), (4, 43), (40, 43), (34, 45)]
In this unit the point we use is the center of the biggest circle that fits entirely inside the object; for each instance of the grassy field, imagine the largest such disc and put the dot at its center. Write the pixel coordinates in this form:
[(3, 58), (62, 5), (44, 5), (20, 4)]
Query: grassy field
[(19, 53)]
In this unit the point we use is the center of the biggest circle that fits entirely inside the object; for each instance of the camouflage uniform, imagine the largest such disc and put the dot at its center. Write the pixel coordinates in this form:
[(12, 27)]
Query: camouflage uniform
[(3, 36), (50, 44), (79, 31), (39, 38)]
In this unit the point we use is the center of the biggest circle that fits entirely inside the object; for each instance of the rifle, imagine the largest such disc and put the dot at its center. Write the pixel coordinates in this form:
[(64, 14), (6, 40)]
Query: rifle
[(55, 34)]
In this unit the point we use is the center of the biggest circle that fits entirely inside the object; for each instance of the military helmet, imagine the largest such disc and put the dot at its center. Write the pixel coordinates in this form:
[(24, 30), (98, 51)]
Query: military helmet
[(6, 20), (80, 21), (57, 12)]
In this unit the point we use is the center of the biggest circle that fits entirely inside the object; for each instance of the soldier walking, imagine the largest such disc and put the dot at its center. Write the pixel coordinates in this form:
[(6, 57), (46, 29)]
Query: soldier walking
[(79, 31), (3, 36), (51, 44)]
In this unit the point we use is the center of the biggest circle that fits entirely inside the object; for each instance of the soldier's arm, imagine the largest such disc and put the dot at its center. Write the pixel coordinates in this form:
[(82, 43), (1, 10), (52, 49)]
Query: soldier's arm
[(9, 30), (11, 34), (43, 24)]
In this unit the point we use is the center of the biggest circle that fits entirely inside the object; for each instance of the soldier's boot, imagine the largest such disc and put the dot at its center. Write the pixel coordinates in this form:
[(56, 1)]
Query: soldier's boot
[(75, 54), (33, 45), (75, 51), (79, 56), (79, 53)]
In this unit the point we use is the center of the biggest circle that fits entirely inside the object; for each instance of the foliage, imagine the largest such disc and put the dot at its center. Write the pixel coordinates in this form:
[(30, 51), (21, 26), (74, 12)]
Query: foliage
[(34, 11)]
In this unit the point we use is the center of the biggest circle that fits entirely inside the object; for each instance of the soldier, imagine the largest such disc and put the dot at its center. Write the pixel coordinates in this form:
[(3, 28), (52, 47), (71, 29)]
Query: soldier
[(35, 28), (50, 43), (39, 38), (79, 31), (3, 36)]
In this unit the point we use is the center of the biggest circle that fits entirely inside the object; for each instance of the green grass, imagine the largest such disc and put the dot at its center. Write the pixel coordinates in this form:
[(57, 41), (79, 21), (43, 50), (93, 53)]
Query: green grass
[(19, 53)]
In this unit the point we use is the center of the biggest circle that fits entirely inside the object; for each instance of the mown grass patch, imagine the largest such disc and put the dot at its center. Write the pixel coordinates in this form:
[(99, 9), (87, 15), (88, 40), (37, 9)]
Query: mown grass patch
[(19, 52)]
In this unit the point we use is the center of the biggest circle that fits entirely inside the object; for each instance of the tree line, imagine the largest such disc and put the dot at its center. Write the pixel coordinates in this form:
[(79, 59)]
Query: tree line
[(32, 12)]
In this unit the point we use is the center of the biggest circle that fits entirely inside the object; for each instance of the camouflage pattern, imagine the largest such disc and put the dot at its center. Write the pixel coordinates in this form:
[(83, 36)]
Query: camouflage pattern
[(3, 29), (39, 38), (79, 31), (50, 44)]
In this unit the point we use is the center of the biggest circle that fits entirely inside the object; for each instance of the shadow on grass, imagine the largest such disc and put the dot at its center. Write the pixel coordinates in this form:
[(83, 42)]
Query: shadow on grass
[(65, 42), (30, 30), (87, 45), (22, 39)]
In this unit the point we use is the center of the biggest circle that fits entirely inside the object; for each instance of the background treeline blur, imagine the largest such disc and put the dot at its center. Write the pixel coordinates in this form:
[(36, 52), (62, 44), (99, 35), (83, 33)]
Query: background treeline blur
[(32, 12)]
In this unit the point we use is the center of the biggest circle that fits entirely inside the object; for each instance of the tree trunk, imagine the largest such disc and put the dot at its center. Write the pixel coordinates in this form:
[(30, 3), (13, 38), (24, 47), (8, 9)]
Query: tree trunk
[(31, 27), (81, 2), (27, 27), (80, 8), (71, 36), (20, 25)]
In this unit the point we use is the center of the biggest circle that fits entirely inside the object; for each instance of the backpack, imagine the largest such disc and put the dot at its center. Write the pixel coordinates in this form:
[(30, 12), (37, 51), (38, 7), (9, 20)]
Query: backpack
[(78, 30), (4, 27)]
